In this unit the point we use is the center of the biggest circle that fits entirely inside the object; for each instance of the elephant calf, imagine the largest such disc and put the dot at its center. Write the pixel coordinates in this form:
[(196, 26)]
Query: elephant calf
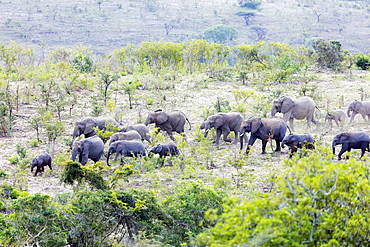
[(349, 140), (223, 123), (295, 141), (126, 149), (40, 161), (164, 150), (337, 116)]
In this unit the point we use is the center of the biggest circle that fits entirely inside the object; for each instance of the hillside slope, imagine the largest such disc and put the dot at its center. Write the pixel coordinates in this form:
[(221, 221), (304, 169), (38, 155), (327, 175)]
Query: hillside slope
[(104, 25)]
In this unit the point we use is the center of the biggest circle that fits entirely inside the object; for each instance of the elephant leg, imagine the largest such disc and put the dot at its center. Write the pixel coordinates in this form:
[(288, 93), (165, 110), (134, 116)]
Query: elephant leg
[(264, 144), (352, 117), (236, 133), (226, 133), (278, 146), (344, 148), (291, 120), (218, 135), (336, 121), (251, 141)]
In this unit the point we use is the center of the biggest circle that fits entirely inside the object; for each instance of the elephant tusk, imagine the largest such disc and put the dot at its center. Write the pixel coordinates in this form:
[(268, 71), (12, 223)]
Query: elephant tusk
[(242, 134), (207, 130)]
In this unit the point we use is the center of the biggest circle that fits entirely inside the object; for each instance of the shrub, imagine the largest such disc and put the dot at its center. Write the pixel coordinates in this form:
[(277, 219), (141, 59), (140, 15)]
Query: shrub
[(220, 34), (363, 61), (317, 202)]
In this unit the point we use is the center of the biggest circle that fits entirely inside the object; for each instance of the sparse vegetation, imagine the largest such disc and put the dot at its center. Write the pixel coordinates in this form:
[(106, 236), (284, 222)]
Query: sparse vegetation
[(208, 194)]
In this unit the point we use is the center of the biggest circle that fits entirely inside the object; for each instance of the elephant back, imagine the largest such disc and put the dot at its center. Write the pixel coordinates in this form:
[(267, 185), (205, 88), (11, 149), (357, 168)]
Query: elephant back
[(97, 147), (103, 120), (177, 120), (276, 126)]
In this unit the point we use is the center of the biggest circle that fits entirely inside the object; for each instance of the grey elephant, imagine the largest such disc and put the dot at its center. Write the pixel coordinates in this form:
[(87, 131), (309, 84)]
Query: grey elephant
[(359, 107), (336, 116), (263, 129), (223, 123), (295, 141), (86, 125), (40, 162), (129, 135), (169, 149), (299, 109), (89, 148), (126, 149), (142, 129), (351, 140), (169, 122)]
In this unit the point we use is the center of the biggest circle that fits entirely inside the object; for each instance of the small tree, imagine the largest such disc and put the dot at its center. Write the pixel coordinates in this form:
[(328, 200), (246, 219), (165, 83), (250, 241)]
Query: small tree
[(260, 31), (130, 88), (106, 80), (248, 16), (220, 34), (328, 54)]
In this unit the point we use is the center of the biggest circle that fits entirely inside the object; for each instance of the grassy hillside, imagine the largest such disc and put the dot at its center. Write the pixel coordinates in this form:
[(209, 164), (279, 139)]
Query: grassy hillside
[(104, 25)]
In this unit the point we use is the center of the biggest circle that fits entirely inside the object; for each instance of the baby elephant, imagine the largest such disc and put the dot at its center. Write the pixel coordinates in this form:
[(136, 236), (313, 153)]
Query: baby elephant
[(164, 150), (40, 161), (337, 116), (349, 140), (126, 149), (295, 141)]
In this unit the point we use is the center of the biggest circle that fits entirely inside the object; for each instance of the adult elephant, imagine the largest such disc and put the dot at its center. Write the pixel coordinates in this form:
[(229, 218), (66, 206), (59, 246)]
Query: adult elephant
[(142, 129), (89, 148), (263, 129), (299, 109), (126, 149), (169, 122), (223, 123), (349, 140), (86, 125), (359, 107)]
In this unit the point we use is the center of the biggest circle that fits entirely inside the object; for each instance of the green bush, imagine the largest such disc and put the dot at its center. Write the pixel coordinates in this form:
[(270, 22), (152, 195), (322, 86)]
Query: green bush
[(363, 61), (316, 202)]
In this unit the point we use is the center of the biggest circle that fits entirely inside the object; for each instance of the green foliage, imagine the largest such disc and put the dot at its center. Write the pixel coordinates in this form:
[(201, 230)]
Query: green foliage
[(328, 54), (130, 87), (122, 174), (83, 63), (222, 105), (187, 206), (34, 221), (316, 202), (35, 143), (21, 151), (75, 172), (14, 159), (363, 61), (54, 130), (105, 134), (220, 34)]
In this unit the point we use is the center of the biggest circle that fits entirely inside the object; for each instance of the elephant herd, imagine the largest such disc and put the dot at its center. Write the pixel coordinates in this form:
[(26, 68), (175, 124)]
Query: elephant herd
[(128, 142)]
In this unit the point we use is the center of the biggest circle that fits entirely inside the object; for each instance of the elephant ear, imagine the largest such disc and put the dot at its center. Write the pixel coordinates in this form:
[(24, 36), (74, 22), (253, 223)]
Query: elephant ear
[(344, 136), (357, 105), (90, 125), (255, 125), (162, 117), (287, 104), (218, 121), (158, 148), (86, 147)]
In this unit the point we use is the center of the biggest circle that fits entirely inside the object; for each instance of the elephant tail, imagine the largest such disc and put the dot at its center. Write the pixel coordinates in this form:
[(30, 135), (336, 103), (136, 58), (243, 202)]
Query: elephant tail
[(186, 118), (290, 131)]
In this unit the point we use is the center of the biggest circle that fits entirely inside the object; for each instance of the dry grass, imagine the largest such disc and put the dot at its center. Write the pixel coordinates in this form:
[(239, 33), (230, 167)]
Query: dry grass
[(333, 91)]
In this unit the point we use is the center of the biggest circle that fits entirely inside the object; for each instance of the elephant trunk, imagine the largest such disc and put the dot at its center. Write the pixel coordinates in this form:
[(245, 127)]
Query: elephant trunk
[(349, 112), (74, 155), (108, 154), (33, 166), (273, 111), (333, 146), (207, 127)]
